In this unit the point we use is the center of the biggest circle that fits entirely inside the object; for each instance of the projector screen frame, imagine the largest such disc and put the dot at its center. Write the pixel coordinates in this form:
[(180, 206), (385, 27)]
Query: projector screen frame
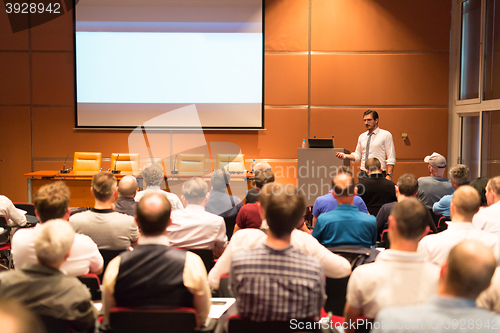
[(167, 128)]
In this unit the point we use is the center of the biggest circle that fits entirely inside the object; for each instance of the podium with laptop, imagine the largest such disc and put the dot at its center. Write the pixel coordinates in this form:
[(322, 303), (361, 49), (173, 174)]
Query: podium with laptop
[(316, 166)]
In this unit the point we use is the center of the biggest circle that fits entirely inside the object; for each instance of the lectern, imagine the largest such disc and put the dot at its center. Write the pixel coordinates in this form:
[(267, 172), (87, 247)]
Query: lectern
[(315, 169)]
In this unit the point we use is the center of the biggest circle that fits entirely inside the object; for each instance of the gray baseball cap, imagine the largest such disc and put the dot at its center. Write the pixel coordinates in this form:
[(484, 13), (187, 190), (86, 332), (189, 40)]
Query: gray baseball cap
[(436, 160)]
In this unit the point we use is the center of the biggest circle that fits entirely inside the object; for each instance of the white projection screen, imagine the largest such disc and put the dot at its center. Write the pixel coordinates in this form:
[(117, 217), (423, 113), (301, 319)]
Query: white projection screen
[(139, 59)]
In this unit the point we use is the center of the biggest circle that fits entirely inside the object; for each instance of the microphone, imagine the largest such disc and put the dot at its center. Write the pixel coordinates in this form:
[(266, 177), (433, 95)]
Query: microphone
[(174, 172), (64, 170), (116, 162)]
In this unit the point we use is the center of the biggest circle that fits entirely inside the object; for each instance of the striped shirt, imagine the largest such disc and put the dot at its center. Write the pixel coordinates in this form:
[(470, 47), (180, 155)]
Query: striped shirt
[(277, 285)]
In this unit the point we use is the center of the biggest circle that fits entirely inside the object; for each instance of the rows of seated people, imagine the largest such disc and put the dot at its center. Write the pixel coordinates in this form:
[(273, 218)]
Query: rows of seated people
[(276, 264)]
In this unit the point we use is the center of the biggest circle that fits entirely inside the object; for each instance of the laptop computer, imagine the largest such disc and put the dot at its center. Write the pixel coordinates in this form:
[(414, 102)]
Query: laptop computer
[(320, 143)]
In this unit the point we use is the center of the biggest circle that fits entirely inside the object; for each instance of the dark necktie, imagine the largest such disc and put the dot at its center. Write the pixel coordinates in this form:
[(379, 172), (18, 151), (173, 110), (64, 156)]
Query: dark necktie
[(368, 145)]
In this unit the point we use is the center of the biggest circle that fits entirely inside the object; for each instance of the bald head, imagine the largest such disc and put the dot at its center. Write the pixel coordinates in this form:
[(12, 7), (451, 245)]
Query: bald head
[(127, 187), (468, 270), (153, 214), (343, 185), (465, 203)]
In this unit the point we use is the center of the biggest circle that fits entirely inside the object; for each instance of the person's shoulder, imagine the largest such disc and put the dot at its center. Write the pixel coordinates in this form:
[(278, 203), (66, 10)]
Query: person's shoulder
[(81, 216), (83, 240), (384, 132)]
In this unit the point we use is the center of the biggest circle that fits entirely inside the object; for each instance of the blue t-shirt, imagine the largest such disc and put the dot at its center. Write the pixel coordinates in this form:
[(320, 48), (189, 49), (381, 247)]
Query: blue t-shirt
[(442, 207), (327, 202), (346, 226)]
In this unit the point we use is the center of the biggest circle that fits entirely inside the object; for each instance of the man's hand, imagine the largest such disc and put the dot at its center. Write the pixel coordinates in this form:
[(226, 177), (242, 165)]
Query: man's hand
[(340, 155), (388, 177)]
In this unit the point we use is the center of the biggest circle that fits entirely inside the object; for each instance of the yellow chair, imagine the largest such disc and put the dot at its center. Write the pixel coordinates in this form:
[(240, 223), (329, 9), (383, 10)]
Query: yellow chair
[(87, 161), (125, 162), (191, 164), (231, 162)]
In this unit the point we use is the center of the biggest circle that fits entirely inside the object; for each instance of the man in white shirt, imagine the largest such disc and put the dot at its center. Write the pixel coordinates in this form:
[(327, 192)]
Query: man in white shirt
[(12, 215), (51, 202), (464, 204), (193, 227), (153, 177), (245, 239), (488, 219), (400, 275), (376, 143)]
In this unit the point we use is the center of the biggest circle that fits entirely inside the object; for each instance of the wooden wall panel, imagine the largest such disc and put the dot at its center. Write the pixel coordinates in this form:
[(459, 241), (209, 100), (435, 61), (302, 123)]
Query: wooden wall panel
[(379, 79), (424, 136), (53, 78), (286, 79), (387, 25), (15, 78), (286, 25), (15, 151), (54, 35), (9, 40)]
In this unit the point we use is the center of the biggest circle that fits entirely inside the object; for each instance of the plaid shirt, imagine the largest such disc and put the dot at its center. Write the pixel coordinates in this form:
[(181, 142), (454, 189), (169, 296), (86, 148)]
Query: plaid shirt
[(277, 285)]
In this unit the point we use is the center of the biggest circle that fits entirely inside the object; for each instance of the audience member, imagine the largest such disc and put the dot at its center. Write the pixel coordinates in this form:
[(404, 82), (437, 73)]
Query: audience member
[(193, 227), (407, 187), (263, 175), (375, 190), (220, 202), (464, 204), (346, 225), (51, 202), (110, 230), (16, 318), (459, 175), (156, 275), (245, 239), (490, 298), (488, 219), (43, 288), (327, 202), (153, 177), (275, 281), (12, 215), (127, 189), (399, 276), (466, 273), (480, 185), (432, 188)]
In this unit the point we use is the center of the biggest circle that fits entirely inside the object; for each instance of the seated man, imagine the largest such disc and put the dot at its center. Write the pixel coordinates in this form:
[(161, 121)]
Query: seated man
[(12, 215), (110, 230), (275, 281), (466, 273), (327, 202), (375, 190), (464, 204), (488, 219), (153, 177), (263, 174), (334, 266), (399, 276), (346, 225), (432, 188), (174, 278), (43, 288), (193, 227), (459, 175), (490, 298), (127, 189), (220, 202), (51, 202), (407, 187)]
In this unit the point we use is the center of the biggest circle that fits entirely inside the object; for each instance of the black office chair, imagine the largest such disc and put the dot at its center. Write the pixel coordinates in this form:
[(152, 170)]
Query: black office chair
[(207, 256), (5, 251), (28, 207), (92, 282), (56, 325), (107, 256)]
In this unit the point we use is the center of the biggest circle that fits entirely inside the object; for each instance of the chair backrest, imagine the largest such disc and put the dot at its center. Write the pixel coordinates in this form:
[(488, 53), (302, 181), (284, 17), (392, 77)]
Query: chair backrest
[(55, 325), (191, 164), (231, 162), (92, 282), (107, 256), (125, 162), (207, 256), (127, 320), (237, 324), (28, 207), (87, 161)]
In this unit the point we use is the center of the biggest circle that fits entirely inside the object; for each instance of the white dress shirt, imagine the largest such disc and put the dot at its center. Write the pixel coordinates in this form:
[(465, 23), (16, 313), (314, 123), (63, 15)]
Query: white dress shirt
[(436, 248), (245, 239), (173, 198), (488, 219), (84, 255), (381, 147), (195, 228), (12, 215)]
